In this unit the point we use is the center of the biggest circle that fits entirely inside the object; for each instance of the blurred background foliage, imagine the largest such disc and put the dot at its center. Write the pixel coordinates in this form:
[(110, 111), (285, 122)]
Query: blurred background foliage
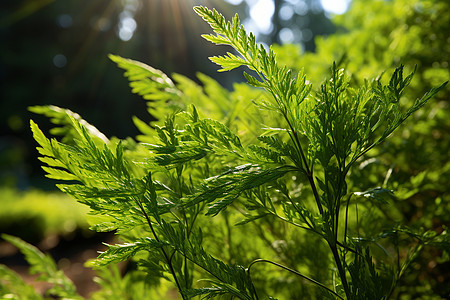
[(35, 214), (55, 52)]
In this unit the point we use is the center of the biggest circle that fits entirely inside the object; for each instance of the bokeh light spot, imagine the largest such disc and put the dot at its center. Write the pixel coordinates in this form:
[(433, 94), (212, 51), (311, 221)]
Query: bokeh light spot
[(286, 35), (261, 12), (286, 12), (301, 8), (127, 23), (335, 6), (59, 60), (234, 2), (15, 122), (64, 21)]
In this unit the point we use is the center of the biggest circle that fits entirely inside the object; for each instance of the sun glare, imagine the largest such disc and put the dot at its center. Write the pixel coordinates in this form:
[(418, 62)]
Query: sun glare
[(261, 12), (335, 6)]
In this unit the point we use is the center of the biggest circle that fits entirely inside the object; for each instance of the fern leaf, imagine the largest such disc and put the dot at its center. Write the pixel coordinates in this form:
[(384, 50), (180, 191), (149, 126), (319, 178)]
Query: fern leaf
[(14, 287), (122, 252), (45, 266), (145, 80), (151, 84), (63, 117), (229, 185), (58, 174), (228, 62)]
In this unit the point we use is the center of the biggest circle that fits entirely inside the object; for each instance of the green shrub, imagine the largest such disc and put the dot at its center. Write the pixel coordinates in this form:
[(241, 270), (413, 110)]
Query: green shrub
[(35, 214)]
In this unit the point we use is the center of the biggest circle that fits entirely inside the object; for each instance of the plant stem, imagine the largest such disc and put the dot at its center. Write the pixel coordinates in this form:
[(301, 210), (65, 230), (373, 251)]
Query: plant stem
[(346, 219), (292, 271), (205, 268), (309, 172), (341, 270), (169, 262), (316, 194)]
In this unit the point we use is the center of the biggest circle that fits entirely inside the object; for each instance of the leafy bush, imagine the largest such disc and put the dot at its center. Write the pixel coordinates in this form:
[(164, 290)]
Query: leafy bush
[(249, 194), (34, 214), (414, 161)]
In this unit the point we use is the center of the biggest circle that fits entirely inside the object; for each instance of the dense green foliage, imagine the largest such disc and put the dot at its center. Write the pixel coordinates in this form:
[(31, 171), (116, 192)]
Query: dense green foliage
[(256, 193), (414, 162)]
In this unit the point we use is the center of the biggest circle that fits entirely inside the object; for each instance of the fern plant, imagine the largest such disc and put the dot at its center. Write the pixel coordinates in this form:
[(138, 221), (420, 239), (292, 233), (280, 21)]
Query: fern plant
[(11, 284), (254, 203)]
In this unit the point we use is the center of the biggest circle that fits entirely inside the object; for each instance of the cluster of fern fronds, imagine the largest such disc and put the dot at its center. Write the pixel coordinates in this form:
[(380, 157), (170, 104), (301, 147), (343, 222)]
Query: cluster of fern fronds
[(244, 193)]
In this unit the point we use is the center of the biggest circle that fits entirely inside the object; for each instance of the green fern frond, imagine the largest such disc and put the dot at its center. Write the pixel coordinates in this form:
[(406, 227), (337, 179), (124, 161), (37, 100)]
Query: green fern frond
[(63, 117), (151, 84), (121, 252), (146, 81), (226, 279), (277, 81), (228, 186), (46, 267), (12, 286)]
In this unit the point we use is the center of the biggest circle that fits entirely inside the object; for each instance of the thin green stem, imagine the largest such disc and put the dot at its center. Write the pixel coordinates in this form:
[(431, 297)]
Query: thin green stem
[(336, 213), (309, 172), (292, 271), (168, 260), (253, 287), (312, 230), (341, 270), (229, 237), (343, 173), (187, 231), (204, 268), (346, 219), (316, 194), (299, 211)]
